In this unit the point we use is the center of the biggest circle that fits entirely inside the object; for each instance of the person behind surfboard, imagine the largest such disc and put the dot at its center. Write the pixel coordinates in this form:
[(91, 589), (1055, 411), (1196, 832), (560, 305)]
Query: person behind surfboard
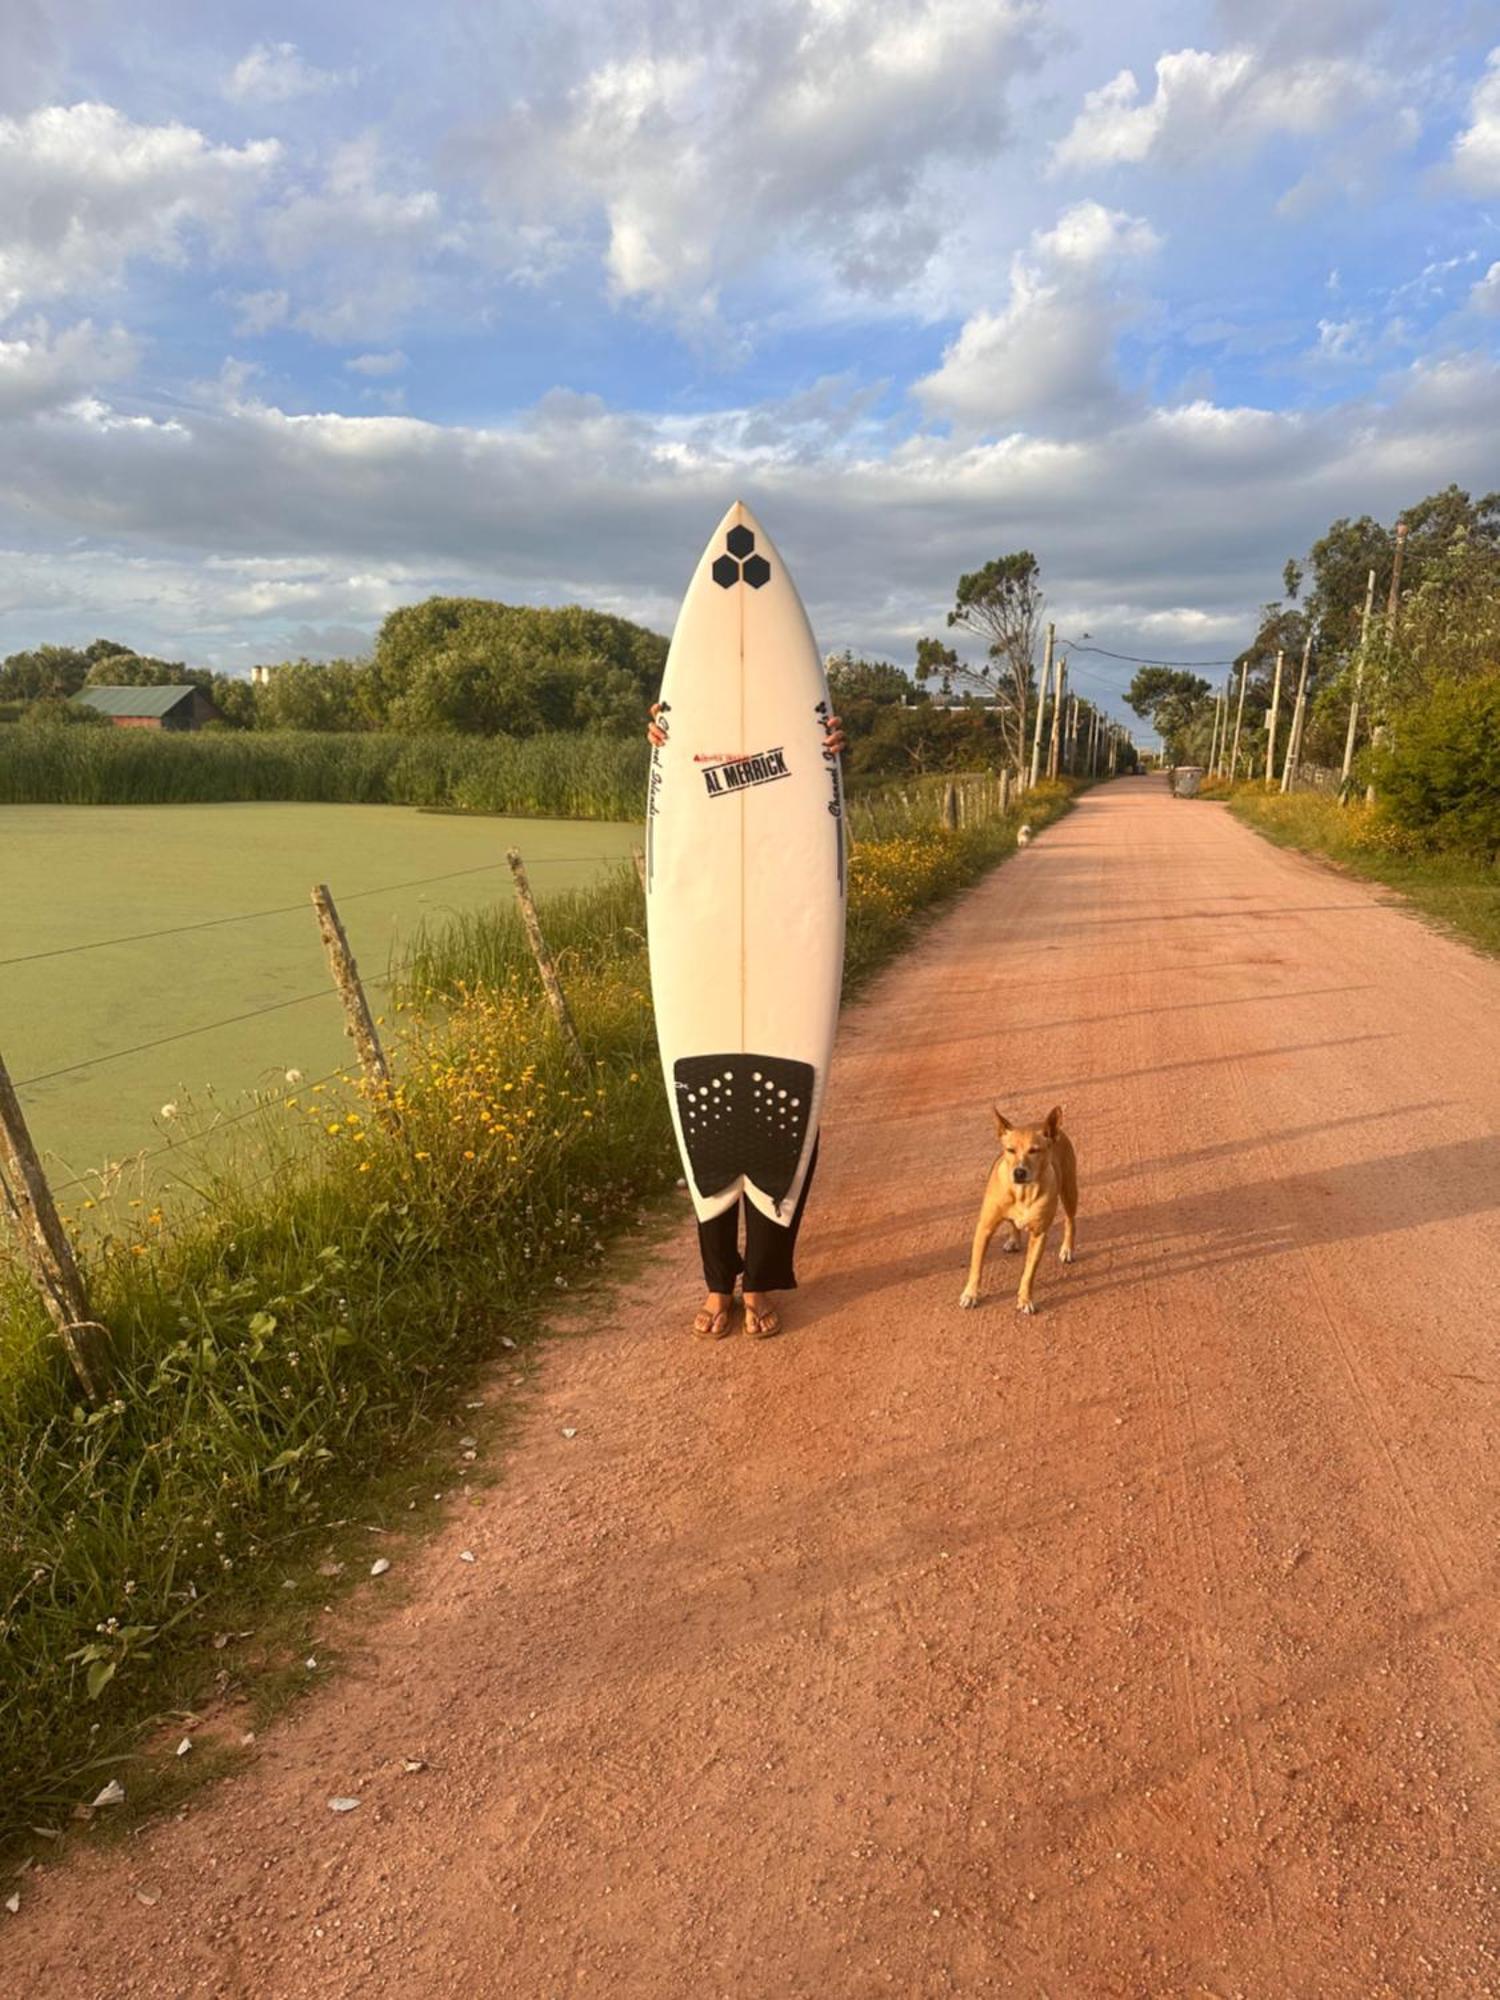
[(766, 1264)]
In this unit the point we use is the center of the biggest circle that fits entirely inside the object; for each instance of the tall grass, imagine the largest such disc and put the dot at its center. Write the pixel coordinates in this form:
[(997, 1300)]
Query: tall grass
[(1460, 891), (313, 1328), (571, 776)]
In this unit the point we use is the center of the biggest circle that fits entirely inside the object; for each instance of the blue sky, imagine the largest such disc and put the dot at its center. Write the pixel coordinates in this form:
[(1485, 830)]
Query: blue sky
[(304, 314)]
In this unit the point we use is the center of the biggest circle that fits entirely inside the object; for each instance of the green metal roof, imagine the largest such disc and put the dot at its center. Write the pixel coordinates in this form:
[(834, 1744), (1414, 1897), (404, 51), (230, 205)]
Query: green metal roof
[(134, 700)]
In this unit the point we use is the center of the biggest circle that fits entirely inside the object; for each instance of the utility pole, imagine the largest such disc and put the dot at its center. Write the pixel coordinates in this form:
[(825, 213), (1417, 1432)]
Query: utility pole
[(1271, 719), (1094, 744), (1114, 747), (1041, 705), (1294, 735), (1239, 717), (1213, 752), (1393, 602), (1073, 736), (1392, 614), (1359, 676), (1055, 741)]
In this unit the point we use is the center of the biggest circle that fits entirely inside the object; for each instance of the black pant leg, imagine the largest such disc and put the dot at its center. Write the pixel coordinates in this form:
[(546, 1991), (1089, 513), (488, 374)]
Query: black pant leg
[(770, 1247), (719, 1246)]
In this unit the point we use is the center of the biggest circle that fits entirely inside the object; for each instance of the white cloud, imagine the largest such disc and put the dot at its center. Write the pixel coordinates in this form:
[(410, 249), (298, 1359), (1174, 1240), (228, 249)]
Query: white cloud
[(1047, 354), (259, 312), (1206, 101), (1484, 296), (1476, 151), (273, 72), (356, 246), (328, 518), (40, 369), (84, 190), (377, 364), (810, 129)]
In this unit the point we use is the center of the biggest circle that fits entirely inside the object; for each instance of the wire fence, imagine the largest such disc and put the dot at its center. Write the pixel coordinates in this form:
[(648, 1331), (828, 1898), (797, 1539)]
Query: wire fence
[(326, 991)]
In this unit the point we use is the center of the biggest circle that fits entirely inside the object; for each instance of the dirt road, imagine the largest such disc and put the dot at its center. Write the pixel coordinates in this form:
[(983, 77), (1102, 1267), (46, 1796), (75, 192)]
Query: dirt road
[(1146, 1647)]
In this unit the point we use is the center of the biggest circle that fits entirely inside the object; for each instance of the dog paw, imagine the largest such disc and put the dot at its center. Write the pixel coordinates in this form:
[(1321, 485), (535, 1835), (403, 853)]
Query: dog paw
[(968, 1299), (1025, 1306), (1011, 1245), (1065, 1256)]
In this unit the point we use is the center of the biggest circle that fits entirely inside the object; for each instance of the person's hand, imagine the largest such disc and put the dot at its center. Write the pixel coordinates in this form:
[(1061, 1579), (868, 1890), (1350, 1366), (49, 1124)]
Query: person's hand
[(834, 740)]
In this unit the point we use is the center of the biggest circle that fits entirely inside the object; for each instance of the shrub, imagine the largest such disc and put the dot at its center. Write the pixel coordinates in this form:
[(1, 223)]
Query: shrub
[(1440, 775)]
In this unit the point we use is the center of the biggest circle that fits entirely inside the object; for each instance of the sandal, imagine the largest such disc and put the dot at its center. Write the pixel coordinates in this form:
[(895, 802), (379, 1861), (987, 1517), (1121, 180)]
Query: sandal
[(712, 1325), (762, 1326)]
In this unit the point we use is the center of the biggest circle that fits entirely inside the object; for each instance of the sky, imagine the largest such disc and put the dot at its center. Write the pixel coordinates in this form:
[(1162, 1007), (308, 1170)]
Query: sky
[(307, 312)]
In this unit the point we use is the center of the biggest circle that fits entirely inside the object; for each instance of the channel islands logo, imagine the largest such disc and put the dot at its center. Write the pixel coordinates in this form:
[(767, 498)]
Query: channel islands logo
[(740, 563)]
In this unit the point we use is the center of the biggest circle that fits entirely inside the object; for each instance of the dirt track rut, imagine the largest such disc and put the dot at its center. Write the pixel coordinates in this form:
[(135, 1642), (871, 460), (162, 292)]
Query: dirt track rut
[(1146, 1647)]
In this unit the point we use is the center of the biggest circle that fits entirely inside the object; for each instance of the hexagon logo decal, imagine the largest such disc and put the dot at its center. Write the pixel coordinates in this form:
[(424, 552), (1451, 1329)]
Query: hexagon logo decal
[(740, 563)]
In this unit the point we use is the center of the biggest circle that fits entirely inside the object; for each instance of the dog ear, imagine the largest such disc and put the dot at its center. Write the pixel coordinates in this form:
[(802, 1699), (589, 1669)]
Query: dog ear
[(1054, 1121), (1002, 1123)]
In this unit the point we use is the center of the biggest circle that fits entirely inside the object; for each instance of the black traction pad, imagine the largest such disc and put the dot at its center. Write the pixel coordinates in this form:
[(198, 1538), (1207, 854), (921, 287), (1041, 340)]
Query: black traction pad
[(743, 1114)]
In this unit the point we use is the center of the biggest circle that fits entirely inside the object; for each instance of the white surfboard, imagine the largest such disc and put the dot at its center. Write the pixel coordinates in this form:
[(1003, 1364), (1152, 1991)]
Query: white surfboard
[(745, 878)]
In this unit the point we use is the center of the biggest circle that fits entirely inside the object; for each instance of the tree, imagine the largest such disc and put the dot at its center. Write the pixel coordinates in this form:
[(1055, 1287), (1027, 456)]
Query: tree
[(1002, 604), (1172, 700), (122, 668), (310, 694), (935, 661), (1441, 774), (469, 664), (852, 680)]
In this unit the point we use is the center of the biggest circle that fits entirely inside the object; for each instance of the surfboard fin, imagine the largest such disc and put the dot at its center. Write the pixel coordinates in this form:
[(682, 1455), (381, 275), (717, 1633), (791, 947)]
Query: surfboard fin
[(743, 1114)]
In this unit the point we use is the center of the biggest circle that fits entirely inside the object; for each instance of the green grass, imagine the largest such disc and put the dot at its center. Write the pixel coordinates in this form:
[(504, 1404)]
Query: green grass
[(563, 776), (293, 1361), (1459, 893), (78, 875)]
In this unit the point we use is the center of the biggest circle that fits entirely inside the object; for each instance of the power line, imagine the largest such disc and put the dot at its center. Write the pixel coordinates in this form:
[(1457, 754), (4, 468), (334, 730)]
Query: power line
[(234, 1118), (284, 909), (182, 1035), (1135, 660)]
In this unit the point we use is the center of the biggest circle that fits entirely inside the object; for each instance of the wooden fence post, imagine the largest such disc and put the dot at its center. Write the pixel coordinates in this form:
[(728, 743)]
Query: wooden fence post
[(359, 1023), (45, 1249), (949, 810), (1005, 791), (551, 984), (638, 856)]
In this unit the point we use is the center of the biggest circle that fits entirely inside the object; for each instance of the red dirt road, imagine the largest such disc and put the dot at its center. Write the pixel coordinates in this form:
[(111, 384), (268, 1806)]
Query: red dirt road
[(1146, 1647)]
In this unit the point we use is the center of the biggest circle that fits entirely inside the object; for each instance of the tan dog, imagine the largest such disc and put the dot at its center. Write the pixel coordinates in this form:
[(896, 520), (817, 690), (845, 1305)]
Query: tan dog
[(1036, 1172)]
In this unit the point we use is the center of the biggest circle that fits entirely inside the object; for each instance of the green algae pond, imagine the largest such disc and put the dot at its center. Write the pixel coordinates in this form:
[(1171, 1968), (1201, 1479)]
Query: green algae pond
[(183, 935)]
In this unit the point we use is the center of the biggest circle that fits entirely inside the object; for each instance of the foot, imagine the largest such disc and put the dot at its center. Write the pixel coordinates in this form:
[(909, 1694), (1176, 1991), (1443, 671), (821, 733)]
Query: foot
[(1010, 1244), (712, 1323), (1025, 1306), (1065, 1255), (762, 1321), (968, 1296)]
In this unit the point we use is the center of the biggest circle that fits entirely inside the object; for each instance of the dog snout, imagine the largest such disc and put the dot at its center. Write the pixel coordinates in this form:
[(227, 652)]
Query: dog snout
[(1021, 1176)]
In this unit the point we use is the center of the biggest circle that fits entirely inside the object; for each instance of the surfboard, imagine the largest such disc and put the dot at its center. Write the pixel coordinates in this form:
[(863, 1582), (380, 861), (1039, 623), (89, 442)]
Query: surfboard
[(744, 878)]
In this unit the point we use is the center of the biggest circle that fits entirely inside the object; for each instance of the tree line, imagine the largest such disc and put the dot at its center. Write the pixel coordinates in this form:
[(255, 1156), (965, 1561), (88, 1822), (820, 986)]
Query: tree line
[(451, 665), (1399, 625), (471, 666)]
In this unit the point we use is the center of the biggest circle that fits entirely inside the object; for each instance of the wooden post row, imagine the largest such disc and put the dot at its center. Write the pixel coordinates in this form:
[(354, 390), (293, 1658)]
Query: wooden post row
[(551, 984), (359, 1023), (44, 1247)]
